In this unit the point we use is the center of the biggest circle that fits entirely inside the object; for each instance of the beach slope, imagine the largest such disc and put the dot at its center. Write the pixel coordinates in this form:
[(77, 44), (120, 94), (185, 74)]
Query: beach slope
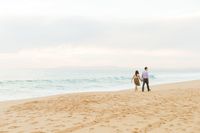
[(169, 108)]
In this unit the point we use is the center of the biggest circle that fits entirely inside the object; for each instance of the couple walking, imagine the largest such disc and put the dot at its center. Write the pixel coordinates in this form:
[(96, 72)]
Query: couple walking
[(145, 79)]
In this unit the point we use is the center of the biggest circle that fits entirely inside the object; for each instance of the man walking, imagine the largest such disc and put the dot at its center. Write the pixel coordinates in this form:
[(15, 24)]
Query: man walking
[(145, 77)]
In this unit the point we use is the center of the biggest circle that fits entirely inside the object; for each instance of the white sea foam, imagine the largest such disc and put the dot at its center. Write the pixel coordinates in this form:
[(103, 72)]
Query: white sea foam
[(21, 84)]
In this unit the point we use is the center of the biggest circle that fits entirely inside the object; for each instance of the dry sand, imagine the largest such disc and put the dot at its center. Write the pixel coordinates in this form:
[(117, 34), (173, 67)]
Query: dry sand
[(171, 108)]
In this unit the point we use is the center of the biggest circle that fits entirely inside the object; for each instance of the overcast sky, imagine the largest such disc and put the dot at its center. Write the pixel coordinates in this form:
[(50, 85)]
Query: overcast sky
[(128, 33)]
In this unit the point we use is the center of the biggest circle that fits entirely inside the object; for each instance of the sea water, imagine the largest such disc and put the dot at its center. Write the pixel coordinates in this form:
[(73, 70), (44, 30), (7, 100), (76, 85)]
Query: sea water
[(22, 84)]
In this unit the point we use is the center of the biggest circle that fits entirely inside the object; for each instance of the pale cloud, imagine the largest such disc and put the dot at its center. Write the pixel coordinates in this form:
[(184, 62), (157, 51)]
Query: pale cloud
[(177, 33), (49, 33)]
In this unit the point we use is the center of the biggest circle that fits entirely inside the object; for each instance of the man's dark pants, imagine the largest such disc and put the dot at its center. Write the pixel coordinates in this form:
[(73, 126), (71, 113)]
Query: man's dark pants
[(145, 81)]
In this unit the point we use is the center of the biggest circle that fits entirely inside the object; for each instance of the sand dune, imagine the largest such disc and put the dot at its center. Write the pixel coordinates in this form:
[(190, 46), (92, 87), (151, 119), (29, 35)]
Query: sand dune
[(171, 108)]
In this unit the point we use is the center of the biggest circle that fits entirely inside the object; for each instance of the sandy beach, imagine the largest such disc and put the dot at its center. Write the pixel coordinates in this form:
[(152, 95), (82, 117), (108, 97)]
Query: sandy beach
[(168, 108)]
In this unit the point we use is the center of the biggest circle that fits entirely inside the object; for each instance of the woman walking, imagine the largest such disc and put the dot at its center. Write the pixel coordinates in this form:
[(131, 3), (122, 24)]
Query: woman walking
[(136, 78)]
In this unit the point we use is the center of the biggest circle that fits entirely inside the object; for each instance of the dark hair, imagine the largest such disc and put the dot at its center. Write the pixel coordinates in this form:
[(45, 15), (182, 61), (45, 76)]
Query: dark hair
[(145, 68), (137, 72)]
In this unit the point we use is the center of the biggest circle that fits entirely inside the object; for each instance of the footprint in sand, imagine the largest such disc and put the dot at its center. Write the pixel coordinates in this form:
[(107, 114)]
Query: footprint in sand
[(183, 129), (91, 129), (35, 122), (114, 127), (107, 121), (13, 127), (171, 125), (179, 124), (102, 125), (136, 130), (118, 131)]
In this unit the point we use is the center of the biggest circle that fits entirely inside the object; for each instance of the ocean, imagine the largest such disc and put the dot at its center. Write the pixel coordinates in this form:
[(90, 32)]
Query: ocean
[(23, 84)]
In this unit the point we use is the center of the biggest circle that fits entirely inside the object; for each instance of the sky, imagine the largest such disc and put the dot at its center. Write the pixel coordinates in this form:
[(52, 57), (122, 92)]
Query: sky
[(91, 33)]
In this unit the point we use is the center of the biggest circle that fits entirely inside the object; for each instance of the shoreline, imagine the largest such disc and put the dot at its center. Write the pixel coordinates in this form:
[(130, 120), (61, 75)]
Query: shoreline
[(69, 93), (167, 108)]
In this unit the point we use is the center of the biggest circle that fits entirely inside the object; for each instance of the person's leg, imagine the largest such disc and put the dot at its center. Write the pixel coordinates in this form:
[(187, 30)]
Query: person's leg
[(148, 84), (136, 88), (143, 83)]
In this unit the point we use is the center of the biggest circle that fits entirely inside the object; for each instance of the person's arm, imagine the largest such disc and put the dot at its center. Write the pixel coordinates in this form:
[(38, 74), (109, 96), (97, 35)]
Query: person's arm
[(141, 78), (138, 76)]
